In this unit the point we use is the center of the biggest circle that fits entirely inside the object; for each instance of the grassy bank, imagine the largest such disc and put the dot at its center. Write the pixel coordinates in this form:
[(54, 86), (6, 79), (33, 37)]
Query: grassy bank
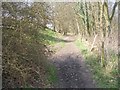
[(52, 39), (52, 74), (105, 77)]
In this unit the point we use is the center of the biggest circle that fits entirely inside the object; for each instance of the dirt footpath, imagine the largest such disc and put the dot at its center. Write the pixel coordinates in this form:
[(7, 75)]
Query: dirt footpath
[(71, 69)]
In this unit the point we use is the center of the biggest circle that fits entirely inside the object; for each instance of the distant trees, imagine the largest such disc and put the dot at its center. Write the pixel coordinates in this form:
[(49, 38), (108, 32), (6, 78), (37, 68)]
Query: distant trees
[(65, 18), (97, 21), (90, 20)]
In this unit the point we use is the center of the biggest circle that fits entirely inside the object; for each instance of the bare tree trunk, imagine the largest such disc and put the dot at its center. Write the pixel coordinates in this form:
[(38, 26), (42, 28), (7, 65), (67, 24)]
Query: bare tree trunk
[(78, 28), (87, 19), (108, 17), (93, 42), (102, 35)]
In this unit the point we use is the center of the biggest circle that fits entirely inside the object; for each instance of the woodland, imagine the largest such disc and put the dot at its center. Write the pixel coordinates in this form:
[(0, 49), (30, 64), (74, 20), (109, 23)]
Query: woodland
[(32, 32)]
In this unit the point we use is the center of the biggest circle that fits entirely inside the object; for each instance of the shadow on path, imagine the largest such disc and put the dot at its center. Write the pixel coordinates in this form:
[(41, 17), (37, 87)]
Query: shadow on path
[(72, 71)]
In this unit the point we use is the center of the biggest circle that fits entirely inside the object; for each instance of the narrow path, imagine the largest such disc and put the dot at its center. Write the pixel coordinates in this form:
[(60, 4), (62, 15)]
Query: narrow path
[(72, 71)]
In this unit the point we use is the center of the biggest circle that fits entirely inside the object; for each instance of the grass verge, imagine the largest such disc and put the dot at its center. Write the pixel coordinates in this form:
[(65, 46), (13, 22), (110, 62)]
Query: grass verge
[(104, 76), (52, 74), (51, 38)]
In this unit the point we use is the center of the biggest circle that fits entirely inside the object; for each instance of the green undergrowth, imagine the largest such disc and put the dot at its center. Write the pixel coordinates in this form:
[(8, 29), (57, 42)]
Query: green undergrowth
[(55, 41), (104, 76), (52, 74), (50, 37)]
